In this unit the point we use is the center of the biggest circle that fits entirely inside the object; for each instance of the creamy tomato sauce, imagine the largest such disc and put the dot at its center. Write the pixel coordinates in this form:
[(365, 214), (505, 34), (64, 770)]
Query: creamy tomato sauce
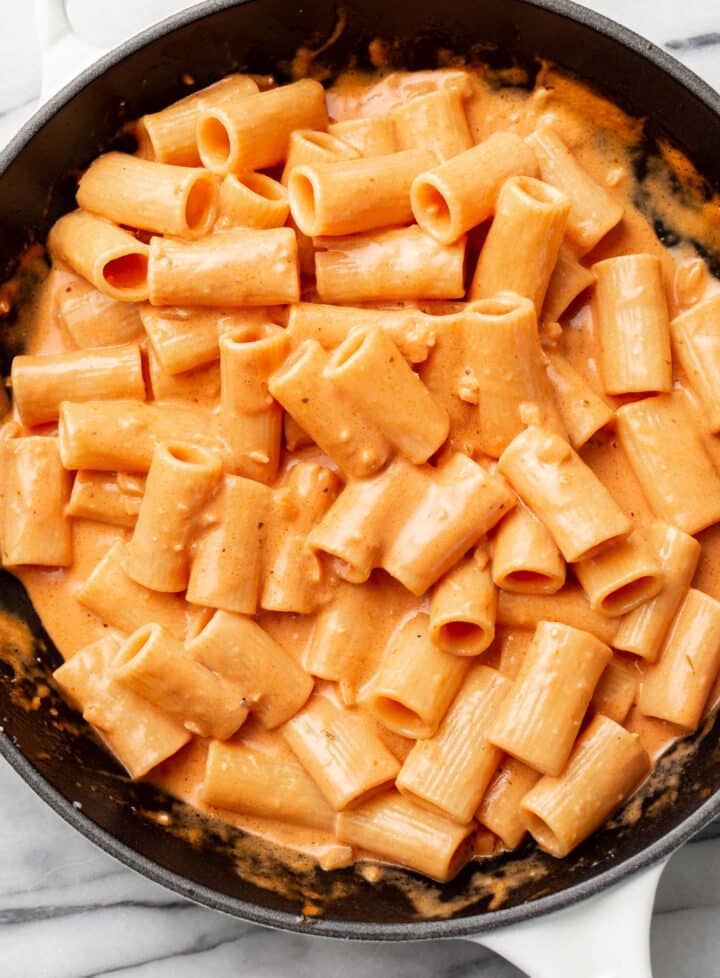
[(604, 140)]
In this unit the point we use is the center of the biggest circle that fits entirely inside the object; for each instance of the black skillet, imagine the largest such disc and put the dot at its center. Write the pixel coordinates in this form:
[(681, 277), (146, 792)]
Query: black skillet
[(55, 753)]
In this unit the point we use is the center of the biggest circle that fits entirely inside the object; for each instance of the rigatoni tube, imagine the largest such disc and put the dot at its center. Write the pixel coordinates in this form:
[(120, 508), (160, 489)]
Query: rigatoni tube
[(632, 320), (643, 629), (582, 410), (676, 688), (41, 383), (395, 829), (35, 529), (450, 771), (272, 682), (349, 196), (98, 496), (157, 667), (112, 259), (370, 136), (554, 482), (623, 576), (568, 605), (157, 197), (695, 338), (341, 752), (227, 557), (522, 246), (238, 267), (253, 132), (252, 782), (540, 717), (593, 211), (402, 263), (416, 682), (606, 766), (525, 558), (435, 121), (94, 319), (450, 199), (462, 607), (251, 419), (568, 280), (170, 134), (370, 370), (666, 452), (311, 146), (180, 478), (251, 200), (335, 422), (499, 809)]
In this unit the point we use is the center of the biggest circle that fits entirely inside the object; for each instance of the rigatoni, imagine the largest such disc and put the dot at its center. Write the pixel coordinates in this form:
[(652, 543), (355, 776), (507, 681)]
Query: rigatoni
[(227, 557), (310, 146), (450, 771), (607, 765), (450, 199), (642, 630), (583, 411), (617, 689), (696, 343), (333, 421), (272, 682), (94, 319), (568, 280), (632, 318), (540, 717), (180, 478), (253, 132), (396, 830), (36, 490), (525, 558), (623, 576), (499, 810), (371, 136), (251, 420), (98, 496), (237, 267), (251, 200), (522, 246), (676, 688), (568, 605), (169, 135), (462, 608), (554, 482), (157, 197), (593, 212), (667, 454), (41, 383), (138, 733), (346, 197), (434, 122), (402, 263), (110, 258), (416, 682), (340, 751), (154, 665), (369, 369), (252, 782)]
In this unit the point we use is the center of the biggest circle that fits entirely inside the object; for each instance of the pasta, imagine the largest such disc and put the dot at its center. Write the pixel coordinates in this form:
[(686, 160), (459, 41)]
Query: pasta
[(356, 460)]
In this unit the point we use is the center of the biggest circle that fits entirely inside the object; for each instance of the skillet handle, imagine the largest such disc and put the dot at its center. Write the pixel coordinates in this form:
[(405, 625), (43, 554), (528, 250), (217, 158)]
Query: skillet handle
[(606, 936), (63, 54)]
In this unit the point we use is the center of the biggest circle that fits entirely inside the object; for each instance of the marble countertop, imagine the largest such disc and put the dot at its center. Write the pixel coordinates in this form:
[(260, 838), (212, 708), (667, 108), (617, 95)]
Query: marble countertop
[(67, 910)]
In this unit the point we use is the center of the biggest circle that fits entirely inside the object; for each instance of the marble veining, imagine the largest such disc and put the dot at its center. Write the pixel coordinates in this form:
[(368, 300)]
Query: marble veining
[(67, 910)]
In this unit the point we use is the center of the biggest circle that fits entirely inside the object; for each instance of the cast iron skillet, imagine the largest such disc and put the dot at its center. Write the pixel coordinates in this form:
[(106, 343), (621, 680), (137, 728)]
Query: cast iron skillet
[(56, 754)]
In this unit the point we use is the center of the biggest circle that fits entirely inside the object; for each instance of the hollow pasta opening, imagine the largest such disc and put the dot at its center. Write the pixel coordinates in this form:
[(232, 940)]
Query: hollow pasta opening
[(188, 454), (527, 581), (324, 140), (544, 835), (350, 347), (461, 635), (213, 142), (399, 717), (498, 306), (264, 186), (537, 191), (127, 271), (621, 600), (133, 646), (302, 195), (200, 204), (434, 207)]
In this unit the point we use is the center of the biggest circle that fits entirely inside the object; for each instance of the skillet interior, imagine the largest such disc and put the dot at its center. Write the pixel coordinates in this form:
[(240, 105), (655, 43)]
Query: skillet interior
[(55, 753)]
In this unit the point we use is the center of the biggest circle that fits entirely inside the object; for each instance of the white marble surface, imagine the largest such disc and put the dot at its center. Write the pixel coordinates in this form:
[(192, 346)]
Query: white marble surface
[(69, 911)]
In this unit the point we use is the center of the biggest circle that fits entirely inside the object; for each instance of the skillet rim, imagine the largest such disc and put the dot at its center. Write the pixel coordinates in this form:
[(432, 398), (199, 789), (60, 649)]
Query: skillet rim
[(469, 926)]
